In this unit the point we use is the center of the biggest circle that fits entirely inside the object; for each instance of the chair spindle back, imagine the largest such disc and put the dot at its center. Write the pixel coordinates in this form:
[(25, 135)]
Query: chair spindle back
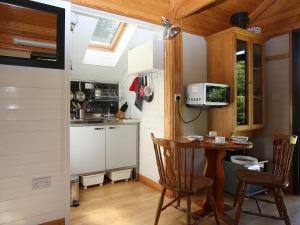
[(283, 149), (176, 164)]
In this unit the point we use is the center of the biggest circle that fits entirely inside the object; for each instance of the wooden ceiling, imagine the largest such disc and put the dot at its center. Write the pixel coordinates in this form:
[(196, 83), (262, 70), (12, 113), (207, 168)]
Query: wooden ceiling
[(280, 17), (27, 24), (216, 16), (274, 16)]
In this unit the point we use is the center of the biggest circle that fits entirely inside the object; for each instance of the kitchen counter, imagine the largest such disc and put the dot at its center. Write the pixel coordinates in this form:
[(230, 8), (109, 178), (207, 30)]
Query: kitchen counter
[(102, 122)]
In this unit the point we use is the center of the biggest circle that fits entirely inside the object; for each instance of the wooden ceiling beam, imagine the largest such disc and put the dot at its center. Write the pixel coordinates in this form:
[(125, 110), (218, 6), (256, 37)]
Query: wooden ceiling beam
[(256, 13), (184, 8), (147, 10)]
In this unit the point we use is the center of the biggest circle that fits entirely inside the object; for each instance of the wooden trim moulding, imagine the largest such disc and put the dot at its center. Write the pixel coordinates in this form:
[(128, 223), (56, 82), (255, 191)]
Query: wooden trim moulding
[(277, 57), (55, 222), (153, 185)]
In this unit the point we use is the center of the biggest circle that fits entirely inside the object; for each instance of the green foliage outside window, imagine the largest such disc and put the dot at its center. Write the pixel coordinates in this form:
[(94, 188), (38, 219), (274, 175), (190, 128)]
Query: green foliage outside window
[(241, 92)]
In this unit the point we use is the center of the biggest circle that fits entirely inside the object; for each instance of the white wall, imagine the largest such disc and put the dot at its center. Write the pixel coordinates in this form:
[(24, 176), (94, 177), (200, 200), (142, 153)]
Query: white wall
[(152, 116), (33, 142), (277, 96), (152, 120), (117, 61), (194, 71)]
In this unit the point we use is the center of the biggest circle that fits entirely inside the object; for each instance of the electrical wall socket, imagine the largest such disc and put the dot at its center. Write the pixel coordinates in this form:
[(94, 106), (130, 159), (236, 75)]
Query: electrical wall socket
[(177, 97), (41, 183)]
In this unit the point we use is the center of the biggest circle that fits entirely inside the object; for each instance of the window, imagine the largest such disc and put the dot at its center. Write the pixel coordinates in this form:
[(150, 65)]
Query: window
[(107, 34)]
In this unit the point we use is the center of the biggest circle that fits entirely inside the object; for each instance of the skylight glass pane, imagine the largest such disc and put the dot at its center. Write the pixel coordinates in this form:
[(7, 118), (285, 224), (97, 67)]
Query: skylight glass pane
[(105, 31)]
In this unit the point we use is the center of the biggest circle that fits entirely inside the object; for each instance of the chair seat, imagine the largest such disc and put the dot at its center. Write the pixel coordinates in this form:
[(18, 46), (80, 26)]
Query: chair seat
[(199, 183), (260, 178)]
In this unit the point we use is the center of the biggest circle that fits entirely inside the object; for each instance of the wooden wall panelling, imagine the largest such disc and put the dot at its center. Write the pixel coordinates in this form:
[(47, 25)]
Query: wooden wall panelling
[(23, 23), (220, 70)]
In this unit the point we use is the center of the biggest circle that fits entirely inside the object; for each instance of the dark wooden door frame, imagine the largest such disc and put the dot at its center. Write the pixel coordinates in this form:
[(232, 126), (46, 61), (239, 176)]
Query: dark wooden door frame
[(296, 106)]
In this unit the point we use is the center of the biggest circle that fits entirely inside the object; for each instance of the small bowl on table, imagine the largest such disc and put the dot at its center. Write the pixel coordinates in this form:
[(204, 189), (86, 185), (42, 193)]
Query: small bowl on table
[(194, 137)]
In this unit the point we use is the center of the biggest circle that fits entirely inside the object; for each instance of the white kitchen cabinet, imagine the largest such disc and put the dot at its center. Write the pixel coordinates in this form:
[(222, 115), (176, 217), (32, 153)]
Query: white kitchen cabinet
[(121, 146), (87, 149), (146, 58)]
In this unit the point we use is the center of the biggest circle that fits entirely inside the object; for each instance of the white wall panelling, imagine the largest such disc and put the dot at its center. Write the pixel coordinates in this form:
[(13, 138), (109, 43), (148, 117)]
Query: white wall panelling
[(277, 96), (152, 120), (33, 140)]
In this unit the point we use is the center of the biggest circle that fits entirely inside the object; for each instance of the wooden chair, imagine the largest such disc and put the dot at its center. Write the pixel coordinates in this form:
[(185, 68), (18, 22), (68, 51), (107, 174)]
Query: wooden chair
[(283, 148), (176, 166)]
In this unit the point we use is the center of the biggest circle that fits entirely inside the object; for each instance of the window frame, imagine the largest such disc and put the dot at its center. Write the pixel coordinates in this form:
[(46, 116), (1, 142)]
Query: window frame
[(115, 41)]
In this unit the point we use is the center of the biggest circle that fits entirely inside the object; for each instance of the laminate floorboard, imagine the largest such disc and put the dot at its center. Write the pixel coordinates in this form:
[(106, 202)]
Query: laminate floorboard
[(134, 203)]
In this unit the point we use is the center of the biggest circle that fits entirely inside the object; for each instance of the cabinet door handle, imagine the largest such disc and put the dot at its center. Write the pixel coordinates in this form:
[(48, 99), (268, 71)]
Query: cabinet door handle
[(111, 128), (99, 128)]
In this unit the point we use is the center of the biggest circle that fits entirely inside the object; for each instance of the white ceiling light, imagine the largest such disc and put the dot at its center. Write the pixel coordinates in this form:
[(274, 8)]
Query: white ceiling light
[(39, 44)]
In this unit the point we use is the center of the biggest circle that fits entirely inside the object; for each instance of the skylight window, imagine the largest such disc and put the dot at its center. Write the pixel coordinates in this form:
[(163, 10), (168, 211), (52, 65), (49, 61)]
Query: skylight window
[(107, 34)]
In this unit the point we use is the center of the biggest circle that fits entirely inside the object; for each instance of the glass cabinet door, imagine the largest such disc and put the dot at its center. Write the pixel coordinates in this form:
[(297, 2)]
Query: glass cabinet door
[(242, 117), (257, 95)]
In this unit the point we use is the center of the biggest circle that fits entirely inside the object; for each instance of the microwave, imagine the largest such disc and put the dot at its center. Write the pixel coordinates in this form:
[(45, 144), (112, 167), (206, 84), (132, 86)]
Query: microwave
[(207, 94)]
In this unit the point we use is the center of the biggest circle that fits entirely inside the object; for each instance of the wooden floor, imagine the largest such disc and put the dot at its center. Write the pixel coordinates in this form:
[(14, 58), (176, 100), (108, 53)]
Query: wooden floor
[(134, 203)]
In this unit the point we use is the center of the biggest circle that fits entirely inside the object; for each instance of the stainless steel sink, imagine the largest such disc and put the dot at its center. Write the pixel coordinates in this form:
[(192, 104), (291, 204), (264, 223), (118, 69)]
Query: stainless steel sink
[(87, 121)]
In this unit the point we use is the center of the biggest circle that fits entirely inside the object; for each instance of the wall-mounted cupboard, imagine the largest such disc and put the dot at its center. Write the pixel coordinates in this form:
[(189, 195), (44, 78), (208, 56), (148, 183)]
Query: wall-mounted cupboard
[(235, 57)]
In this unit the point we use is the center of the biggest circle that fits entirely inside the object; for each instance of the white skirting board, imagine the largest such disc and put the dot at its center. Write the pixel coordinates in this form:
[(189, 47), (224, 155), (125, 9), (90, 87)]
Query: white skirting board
[(90, 180), (119, 175)]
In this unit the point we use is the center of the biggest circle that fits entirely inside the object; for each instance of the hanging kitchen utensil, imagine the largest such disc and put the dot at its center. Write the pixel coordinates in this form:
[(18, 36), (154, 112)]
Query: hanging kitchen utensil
[(148, 91), (97, 93), (138, 100), (87, 107), (124, 107), (134, 84), (142, 86), (80, 96), (74, 105), (71, 95)]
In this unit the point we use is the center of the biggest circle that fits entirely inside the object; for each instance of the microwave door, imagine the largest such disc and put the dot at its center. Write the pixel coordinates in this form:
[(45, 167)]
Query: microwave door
[(216, 95)]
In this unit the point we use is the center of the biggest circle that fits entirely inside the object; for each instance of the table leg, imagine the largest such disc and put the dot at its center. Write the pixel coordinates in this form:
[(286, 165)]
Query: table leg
[(214, 170)]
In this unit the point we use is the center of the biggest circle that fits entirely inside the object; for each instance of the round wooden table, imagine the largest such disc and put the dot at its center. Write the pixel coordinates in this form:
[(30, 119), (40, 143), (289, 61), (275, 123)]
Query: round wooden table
[(215, 154)]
